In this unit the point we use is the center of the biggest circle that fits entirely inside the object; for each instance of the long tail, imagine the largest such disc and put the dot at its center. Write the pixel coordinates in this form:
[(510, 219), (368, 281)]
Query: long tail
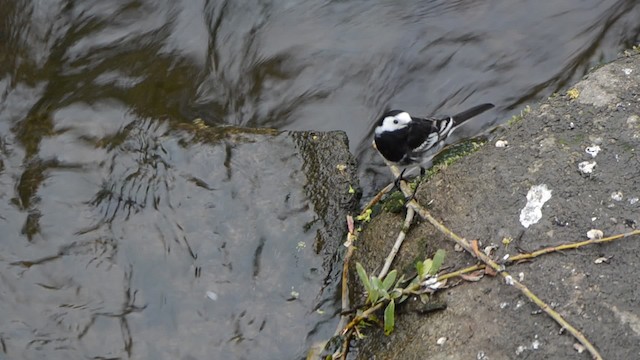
[(468, 114)]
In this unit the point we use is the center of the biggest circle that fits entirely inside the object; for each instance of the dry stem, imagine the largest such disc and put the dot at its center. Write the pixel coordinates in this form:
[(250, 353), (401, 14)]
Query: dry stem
[(547, 250), (396, 246), (345, 289), (568, 246), (378, 196)]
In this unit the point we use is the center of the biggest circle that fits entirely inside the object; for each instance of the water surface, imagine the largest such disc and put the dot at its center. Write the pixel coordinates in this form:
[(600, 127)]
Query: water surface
[(114, 223)]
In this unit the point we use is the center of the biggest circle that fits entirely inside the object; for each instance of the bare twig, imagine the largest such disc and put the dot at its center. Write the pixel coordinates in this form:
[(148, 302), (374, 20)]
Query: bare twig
[(534, 254), (352, 236), (345, 289), (568, 246), (359, 318), (396, 246), (460, 272), (378, 196)]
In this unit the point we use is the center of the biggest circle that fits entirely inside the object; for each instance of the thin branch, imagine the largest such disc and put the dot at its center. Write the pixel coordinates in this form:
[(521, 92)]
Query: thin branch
[(568, 246), (547, 250), (345, 290), (365, 314), (460, 272), (352, 236), (396, 246), (377, 198)]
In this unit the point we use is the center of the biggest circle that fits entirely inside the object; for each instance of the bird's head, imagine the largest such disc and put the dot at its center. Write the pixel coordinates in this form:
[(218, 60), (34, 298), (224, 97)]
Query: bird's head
[(392, 121)]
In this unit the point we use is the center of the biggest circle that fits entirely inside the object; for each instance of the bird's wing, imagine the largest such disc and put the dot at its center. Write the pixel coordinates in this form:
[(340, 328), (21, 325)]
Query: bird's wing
[(427, 133), (421, 132), (428, 136)]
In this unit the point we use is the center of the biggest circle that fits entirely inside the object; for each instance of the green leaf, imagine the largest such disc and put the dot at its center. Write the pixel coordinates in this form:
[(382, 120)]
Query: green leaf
[(384, 294), (420, 269), (426, 266), (362, 274), (389, 280), (376, 283), (374, 295), (438, 259), (416, 280), (389, 317), (376, 290)]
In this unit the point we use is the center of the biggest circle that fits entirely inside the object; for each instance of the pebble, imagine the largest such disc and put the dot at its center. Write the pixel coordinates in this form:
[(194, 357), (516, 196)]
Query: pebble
[(617, 196), (502, 143), (595, 234), (586, 167)]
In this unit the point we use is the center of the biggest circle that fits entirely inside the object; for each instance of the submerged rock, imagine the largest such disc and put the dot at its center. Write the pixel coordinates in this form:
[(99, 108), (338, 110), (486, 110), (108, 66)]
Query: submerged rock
[(182, 243)]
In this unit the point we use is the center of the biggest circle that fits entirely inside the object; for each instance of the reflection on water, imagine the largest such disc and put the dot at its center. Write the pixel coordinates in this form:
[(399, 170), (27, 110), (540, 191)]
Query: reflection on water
[(115, 224)]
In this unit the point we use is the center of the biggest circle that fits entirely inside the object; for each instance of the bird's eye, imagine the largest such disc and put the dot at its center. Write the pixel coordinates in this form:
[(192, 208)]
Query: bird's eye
[(395, 121)]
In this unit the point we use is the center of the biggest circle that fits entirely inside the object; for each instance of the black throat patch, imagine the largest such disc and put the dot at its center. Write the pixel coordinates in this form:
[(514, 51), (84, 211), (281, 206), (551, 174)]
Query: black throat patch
[(393, 144)]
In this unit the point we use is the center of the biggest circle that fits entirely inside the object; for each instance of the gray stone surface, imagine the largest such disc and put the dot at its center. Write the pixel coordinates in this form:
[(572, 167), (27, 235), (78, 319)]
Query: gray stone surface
[(481, 197)]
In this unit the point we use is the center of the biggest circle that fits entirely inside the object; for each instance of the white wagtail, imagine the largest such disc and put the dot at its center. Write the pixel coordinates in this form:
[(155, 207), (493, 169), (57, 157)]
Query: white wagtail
[(409, 142)]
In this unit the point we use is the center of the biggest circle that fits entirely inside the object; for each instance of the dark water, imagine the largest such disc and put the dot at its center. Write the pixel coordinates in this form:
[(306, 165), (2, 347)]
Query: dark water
[(107, 211)]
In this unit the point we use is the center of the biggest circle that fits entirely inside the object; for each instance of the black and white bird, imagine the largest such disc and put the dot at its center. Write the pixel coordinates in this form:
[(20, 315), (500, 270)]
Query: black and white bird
[(409, 142)]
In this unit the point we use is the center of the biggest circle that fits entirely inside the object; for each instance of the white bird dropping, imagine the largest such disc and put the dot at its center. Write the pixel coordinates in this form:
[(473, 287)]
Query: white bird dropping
[(593, 150), (532, 212)]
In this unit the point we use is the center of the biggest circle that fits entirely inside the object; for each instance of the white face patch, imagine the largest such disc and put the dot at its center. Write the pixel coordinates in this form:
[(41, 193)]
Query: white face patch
[(393, 123)]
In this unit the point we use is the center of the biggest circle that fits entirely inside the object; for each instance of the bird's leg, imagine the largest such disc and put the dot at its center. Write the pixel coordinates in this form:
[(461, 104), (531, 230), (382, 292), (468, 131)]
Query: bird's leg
[(396, 182), (418, 181)]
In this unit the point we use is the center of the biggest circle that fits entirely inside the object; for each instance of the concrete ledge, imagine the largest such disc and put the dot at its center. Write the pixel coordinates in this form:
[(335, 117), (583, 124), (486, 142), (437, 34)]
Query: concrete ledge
[(482, 197)]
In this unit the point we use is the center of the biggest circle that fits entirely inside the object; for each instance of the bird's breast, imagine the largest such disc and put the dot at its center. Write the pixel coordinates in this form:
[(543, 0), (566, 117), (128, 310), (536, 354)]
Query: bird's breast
[(391, 145)]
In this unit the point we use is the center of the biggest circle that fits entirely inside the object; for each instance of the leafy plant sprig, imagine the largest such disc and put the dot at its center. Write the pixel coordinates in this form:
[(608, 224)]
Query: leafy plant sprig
[(390, 289)]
